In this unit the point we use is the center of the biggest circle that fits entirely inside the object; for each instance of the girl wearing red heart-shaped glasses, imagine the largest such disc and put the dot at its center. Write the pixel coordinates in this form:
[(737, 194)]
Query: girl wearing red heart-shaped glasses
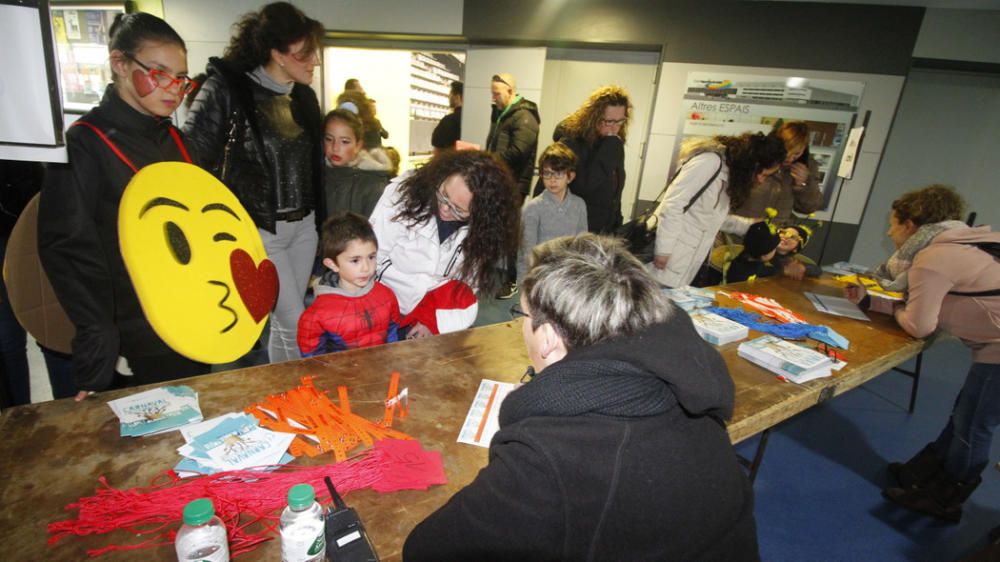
[(78, 211)]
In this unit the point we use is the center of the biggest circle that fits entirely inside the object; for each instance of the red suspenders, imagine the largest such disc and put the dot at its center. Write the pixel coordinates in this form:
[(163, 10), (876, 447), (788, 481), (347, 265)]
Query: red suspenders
[(121, 155)]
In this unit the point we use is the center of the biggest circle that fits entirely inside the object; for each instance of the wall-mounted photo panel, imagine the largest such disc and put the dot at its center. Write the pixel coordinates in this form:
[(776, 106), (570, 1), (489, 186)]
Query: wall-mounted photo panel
[(30, 112), (726, 103)]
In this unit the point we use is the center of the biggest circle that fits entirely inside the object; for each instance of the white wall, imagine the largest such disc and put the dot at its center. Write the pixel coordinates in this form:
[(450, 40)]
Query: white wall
[(880, 96), (946, 131), (205, 26), (384, 74), (527, 65)]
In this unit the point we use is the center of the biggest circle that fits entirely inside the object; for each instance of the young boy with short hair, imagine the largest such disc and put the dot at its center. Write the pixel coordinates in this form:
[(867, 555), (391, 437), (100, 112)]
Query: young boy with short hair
[(351, 309), (556, 212)]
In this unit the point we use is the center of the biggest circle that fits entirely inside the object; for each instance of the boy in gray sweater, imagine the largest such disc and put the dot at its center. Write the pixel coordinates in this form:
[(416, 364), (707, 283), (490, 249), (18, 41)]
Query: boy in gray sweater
[(555, 212)]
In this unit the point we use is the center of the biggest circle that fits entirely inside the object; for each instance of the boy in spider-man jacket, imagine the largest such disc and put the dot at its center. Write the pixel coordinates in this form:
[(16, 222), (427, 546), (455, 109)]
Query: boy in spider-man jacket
[(351, 309)]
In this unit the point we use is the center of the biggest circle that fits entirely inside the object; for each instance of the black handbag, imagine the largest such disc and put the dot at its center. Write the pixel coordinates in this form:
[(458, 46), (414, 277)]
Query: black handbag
[(639, 233)]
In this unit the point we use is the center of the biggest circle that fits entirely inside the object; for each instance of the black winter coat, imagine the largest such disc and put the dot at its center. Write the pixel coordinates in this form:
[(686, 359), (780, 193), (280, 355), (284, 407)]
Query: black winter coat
[(78, 237), (616, 452), (352, 189), (514, 136), (256, 169)]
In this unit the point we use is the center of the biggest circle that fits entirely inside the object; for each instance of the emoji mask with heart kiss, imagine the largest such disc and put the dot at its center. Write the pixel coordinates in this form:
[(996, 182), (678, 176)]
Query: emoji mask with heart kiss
[(196, 261)]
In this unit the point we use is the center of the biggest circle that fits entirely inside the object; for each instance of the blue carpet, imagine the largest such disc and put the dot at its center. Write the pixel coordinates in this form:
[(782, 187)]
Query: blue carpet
[(818, 488)]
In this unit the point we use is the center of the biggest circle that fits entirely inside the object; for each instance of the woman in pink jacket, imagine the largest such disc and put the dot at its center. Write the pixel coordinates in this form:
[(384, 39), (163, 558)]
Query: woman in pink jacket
[(951, 274)]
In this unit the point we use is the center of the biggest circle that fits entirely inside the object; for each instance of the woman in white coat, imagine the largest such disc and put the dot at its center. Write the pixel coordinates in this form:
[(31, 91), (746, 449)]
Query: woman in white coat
[(714, 174), (442, 231)]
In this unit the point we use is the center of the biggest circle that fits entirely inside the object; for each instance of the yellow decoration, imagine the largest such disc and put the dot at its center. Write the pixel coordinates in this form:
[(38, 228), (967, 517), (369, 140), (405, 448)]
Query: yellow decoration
[(183, 234), (771, 212), (870, 284)]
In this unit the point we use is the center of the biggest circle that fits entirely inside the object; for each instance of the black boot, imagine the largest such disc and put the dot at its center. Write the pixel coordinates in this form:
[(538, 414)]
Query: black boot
[(915, 471), (940, 496)]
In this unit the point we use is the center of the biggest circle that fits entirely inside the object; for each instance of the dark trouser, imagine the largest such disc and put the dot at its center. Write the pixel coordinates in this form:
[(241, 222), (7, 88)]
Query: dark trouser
[(60, 368), (14, 389), (965, 441)]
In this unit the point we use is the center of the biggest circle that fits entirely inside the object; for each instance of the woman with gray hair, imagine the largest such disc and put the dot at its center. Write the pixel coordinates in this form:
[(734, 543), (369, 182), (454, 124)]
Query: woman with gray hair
[(617, 448)]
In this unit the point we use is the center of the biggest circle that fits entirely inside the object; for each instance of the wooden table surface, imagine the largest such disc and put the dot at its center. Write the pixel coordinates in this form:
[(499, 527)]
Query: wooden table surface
[(53, 452)]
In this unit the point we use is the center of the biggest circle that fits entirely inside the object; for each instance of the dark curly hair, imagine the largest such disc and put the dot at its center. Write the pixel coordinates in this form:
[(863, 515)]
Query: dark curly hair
[(276, 26), (583, 122), (746, 155), (931, 204), (494, 221)]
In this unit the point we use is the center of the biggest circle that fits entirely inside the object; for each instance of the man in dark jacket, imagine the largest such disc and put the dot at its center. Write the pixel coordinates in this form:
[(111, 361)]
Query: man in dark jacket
[(514, 136), (617, 449), (449, 129), (513, 130)]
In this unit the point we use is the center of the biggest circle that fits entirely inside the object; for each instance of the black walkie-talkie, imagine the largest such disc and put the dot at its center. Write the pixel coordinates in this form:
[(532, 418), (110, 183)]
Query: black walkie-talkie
[(346, 539)]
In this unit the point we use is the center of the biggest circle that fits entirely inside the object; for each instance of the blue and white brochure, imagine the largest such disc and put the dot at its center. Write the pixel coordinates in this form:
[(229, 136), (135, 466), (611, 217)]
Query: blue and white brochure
[(156, 411)]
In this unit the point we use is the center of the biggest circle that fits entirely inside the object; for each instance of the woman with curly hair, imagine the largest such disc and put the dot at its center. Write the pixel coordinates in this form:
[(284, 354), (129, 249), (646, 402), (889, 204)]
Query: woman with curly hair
[(933, 210), (256, 126), (794, 187), (442, 231), (951, 275), (713, 175), (596, 133)]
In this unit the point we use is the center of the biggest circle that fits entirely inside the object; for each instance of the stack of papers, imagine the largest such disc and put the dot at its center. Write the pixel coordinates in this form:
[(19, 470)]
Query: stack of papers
[(716, 329), (156, 411), (845, 268), (691, 298), (792, 362), (838, 306), (231, 442)]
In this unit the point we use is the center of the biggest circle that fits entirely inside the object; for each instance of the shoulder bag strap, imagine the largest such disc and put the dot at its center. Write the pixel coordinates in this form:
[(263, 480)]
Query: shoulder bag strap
[(121, 155), (114, 148), (704, 187), (180, 144), (696, 195), (993, 249)]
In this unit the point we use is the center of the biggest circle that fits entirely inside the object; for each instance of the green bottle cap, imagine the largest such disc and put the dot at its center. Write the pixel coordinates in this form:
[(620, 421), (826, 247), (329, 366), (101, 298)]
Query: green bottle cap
[(198, 512), (301, 496)]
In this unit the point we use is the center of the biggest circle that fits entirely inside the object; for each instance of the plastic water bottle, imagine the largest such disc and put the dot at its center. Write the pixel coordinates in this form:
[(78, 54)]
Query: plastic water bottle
[(203, 535), (303, 537)]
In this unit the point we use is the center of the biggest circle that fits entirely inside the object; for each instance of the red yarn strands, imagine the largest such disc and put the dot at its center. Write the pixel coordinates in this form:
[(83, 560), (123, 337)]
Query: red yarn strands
[(248, 501), (321, 424)]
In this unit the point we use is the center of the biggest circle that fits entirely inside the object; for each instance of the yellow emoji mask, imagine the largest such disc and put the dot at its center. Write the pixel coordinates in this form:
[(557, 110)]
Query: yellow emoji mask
[(196, 261)]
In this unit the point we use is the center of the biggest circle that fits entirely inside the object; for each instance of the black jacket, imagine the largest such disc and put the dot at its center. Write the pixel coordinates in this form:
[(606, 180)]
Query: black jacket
[(78, 237), (616, 452), (448, 130), (261, 168), (353, 189), (514, 136), (600, 179)]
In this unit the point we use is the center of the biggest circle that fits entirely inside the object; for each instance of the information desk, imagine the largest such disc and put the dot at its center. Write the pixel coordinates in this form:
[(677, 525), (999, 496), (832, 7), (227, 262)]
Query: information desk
[(54, 452)]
